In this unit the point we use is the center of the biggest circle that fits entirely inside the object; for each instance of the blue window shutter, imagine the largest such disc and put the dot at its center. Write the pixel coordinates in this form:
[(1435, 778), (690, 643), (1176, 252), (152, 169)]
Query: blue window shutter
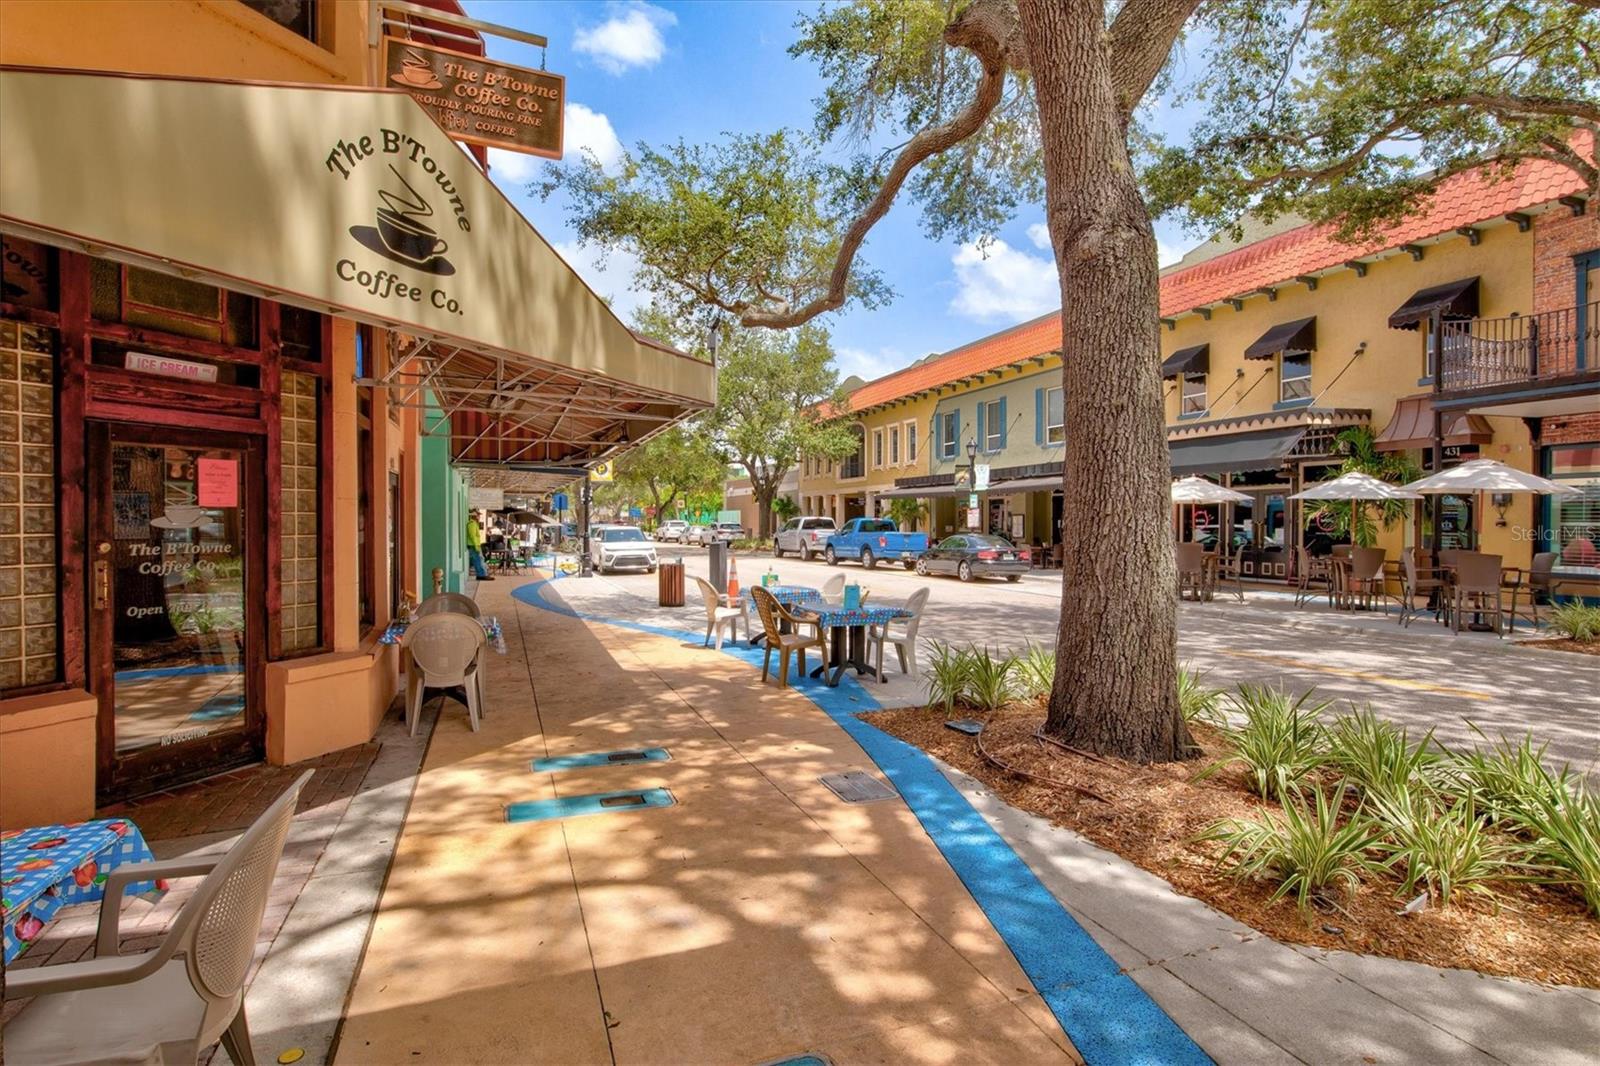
[(1038, 416), (1005, 425), (983, 438)]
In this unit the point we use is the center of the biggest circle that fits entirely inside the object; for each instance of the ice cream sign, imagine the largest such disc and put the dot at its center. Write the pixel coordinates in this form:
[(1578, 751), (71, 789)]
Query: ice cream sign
[(168, 367)]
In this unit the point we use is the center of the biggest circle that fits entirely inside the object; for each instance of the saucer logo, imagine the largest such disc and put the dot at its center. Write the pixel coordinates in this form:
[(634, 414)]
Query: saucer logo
[(402, 234), (415, 72)]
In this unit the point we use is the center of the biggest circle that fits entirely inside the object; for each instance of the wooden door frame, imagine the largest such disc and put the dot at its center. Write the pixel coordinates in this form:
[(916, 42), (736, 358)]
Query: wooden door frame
[(162, 766)]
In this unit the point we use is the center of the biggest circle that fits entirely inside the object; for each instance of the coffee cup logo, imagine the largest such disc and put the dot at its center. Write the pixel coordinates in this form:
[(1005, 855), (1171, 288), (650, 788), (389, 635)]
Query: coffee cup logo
[(415, 72), (402, 234)]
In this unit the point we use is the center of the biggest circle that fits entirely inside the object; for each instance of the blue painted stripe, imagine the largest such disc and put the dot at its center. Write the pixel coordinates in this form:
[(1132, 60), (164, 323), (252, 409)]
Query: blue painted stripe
[(1108, 1017), (179, 671), (628, 757), (590, 803)]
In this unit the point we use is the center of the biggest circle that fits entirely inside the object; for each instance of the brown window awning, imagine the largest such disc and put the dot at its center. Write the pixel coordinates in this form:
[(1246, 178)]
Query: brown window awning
[(1457, 299), (1411, 426), (1196, 360), (1286, 338)]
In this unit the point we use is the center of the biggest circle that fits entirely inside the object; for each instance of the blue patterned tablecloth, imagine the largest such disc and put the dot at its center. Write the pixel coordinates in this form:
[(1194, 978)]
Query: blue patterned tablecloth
[(788, 595), (491, 629), (836, 617), (51, 866)]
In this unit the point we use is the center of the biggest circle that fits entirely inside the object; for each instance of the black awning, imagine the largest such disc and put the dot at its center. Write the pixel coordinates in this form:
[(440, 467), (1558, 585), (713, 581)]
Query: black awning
[(1236, 453), (1458, 299), (1286, 338), (1196, 360)]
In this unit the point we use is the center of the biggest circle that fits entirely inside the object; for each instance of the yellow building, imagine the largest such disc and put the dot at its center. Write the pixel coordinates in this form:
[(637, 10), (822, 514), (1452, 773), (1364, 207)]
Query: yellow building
[(230, 269)]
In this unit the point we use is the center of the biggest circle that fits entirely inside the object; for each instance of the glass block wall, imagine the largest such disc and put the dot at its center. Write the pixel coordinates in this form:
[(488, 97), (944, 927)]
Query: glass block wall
[(300, 614), (28, 616)]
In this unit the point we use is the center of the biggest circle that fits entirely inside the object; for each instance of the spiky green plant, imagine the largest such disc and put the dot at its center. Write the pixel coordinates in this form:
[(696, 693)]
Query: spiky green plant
[(946, 675), (1577, 621), (1378, 757), (1505, 777), (1443, 849), (1307, 851), (989, 681), (1035, 670), (1198, 702), (1280, 740), (1564, 839)]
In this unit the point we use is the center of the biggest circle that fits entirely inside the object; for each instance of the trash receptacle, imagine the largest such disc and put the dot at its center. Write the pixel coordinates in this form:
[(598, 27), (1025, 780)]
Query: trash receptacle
[(671, 582)]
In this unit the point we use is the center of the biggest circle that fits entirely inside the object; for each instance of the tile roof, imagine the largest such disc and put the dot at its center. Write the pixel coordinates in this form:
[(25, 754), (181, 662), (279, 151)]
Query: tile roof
[(1461, 200)]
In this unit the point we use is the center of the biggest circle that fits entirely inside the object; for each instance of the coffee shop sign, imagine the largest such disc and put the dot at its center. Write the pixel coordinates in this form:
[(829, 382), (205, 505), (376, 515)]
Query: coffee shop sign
[(417, 201)]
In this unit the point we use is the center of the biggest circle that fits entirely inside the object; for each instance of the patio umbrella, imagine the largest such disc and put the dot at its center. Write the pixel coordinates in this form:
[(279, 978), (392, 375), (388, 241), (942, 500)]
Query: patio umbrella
[(1485, 475), (1194, 489), (1355, 487)]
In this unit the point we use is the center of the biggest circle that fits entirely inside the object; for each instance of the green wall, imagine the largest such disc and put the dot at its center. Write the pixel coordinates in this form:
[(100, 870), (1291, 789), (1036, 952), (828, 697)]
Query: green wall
[(444, 511)]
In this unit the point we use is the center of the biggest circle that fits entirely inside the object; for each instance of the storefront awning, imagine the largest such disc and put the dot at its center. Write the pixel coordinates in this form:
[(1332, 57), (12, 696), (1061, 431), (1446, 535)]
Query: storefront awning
[(1235, 453), (924, 492), (1411, 426), (1458, 299), (1195, 360), (351, 202), (1026, 484), (1286, 338)]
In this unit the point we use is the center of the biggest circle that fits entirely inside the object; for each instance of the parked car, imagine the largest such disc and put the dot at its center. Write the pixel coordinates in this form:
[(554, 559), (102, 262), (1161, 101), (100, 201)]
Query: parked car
[(872, 540), (673, 530), (621, 548), (970, 555), (727, 532), (805, 536), (696, 535)]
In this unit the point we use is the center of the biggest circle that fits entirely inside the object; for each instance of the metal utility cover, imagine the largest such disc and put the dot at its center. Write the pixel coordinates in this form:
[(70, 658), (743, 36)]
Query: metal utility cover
[(857, 786), (628, 757), (970, 726), (595, 803)]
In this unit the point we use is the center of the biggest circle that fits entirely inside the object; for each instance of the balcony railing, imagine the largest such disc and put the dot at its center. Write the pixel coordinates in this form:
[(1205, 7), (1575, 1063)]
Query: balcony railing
[(1521, 349)]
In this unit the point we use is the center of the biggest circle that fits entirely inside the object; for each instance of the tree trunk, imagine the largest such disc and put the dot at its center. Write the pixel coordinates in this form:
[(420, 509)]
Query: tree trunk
[(763, 495), (1115, 689)]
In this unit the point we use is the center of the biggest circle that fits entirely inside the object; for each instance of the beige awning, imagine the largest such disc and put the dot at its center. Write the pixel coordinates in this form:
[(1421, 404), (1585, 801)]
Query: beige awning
[(1411, 426), (352, 202)]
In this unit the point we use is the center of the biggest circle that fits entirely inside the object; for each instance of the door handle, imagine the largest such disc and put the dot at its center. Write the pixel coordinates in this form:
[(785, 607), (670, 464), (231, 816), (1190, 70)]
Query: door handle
[(102, 584)]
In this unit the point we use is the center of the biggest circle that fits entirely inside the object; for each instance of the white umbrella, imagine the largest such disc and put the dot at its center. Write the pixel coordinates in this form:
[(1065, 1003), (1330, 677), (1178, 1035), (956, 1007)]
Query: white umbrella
[(1193, 490), (1355, 487), (1485, 475)]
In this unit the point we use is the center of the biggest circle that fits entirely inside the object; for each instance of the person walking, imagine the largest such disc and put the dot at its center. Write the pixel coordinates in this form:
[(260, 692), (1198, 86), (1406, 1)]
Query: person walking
[(475, 548)]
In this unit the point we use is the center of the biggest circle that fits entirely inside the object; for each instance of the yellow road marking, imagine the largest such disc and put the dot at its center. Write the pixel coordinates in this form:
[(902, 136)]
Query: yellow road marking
[(1364, 675)]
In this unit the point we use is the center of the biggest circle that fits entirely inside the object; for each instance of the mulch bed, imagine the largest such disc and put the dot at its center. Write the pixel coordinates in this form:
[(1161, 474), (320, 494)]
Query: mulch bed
[(1150, 816), (1587, 647)]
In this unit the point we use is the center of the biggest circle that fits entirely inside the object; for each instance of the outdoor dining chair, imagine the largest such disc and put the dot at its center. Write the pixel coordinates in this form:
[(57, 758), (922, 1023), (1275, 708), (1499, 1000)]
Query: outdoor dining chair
[(1476, 590), (774, 617), (720, 617), (833, 590), (172, 1002), (449, 602), (902, 633), (1230, 573), (1367, 580), (1541, 585), (1191, 557), (1418, 580), (1312, 576), (444, 652)]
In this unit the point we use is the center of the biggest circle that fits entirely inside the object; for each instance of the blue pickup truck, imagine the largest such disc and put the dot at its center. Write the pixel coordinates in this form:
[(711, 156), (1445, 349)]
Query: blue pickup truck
[(873, 540)]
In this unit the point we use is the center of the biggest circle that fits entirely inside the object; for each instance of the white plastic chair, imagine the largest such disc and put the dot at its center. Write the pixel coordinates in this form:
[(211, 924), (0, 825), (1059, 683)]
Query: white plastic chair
[(833, 590), (905, 643), (168, 1004), (449, 602), (445, 651), (719, 617)]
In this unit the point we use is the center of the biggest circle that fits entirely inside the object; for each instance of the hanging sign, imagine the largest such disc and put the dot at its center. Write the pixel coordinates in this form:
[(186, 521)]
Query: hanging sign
[(168, 367), (602, 471), (478, 100), (974, 519), (980, 477), (480, 498), (972, 499), (558, 503)]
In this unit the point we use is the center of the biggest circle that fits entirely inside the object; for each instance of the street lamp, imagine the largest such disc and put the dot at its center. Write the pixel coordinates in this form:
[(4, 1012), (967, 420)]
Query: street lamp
[(972, 472)]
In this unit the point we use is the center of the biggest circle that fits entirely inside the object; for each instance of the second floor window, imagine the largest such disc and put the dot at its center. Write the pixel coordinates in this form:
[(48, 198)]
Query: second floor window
[(1294, 378), (1055, 416), (894, 445), (1194, 394), (911, 442), (877, 447), (995, 430), (949, 435), (296, 16), (854, 465)]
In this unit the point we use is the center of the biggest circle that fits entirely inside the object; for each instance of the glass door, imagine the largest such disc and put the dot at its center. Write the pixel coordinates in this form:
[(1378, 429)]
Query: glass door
[(177, 605)]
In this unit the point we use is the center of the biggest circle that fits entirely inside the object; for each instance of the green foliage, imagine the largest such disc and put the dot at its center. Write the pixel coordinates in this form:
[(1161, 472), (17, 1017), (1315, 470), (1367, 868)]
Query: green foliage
[(1355, 518), (785, 508), (1444, 849), (664, 469), (1197, 702), (906, 512), (989, 682), (1508, 778), (1281, 741), (1565, 839), (1035, 671), (946, 675), (1576, 620), (1308, 851), (1378, 757)]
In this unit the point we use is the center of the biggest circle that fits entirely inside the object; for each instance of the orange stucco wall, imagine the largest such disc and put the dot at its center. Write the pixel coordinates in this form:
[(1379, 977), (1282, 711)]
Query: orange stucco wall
[(47, 759)]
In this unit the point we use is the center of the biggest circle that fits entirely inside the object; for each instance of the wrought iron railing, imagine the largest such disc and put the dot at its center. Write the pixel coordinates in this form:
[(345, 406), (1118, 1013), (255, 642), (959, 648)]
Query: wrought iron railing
[(1523, 348)]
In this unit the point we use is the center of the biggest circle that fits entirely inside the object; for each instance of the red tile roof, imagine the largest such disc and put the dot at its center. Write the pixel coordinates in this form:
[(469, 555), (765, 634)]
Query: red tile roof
[(1461, 200)]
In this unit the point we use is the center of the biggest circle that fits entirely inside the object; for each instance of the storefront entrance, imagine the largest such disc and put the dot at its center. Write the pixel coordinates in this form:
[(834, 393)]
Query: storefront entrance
[(175, 565)]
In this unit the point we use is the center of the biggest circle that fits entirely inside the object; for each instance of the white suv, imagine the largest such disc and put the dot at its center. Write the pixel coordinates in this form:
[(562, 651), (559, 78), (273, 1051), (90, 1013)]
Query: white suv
[(673, 529), (621, 548), (803, 536)]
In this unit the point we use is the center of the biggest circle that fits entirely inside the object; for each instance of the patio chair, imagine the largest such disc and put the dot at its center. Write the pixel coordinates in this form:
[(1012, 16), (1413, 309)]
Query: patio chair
[(1476, 589), (905, 643), (1056, 556), (773, 619), (1230, 573), (172, 1002), (1418, 580), (1312, 576), (1191, 557), (833, 590), (1368, 581), (1540, 585), (719, 616), (448, 602), (445, 652)]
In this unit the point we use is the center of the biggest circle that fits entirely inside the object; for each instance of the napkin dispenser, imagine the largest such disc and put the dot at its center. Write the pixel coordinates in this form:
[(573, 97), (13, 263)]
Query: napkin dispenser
[(852, 596)]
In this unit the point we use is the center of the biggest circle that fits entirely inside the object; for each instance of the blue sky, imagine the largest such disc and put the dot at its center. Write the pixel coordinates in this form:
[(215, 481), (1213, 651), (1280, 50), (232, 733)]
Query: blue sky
[(659, 72)]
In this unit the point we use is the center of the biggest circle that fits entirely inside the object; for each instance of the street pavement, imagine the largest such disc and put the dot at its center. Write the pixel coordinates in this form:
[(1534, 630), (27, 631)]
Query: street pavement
[(1422, 676)]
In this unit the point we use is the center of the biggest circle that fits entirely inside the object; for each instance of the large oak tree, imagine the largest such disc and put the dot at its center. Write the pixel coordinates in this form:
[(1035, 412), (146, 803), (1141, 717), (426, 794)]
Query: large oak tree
[(1348, 109)]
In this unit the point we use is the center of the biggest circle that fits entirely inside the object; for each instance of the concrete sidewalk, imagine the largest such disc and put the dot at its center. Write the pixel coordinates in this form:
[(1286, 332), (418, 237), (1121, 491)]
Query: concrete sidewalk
[(756, 919)]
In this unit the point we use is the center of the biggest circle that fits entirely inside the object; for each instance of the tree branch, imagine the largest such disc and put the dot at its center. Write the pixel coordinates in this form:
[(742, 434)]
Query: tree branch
[(1141, 39)]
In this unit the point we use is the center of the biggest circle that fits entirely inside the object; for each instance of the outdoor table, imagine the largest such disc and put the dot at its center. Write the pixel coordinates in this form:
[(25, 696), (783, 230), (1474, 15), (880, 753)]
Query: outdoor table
[(491, 629), (789, 596), (849, 627), (48, 867)]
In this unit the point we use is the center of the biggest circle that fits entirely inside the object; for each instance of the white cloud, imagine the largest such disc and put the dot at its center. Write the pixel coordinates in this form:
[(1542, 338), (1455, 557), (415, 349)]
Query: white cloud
[(1002, 282), (631, 37), (1167, 254), (1039, 234), (511, 168), (612, 279), (866, 364), (590, 133)]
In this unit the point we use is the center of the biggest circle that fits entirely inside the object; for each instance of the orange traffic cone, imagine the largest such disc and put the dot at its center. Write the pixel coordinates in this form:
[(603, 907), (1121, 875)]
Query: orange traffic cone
[(733, 577)]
